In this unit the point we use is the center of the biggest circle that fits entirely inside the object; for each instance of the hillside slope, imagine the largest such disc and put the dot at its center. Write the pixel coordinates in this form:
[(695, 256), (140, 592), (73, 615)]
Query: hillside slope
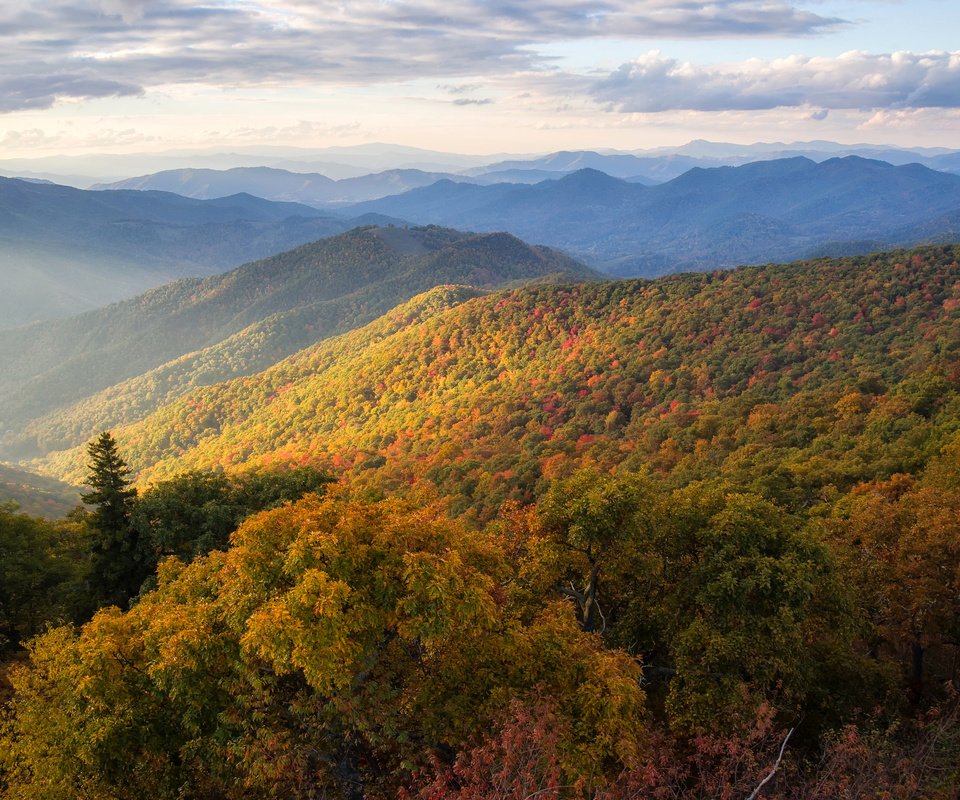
[(196, 332), (706, 218), (68, 250), (36, 495), (835, 371)]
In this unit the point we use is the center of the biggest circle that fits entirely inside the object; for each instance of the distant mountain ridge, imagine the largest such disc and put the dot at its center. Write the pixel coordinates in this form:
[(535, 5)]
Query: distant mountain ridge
[(65, 380), (659, 167), (312, 189), (270, 183), (66, 250), (765, 211), (662, 163)]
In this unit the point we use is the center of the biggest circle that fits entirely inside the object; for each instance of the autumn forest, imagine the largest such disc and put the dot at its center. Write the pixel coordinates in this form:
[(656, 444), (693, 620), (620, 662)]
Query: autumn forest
[(526, 533)]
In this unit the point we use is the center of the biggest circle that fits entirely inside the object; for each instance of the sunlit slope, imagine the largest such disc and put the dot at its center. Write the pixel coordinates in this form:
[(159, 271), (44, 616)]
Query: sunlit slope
[(832, 371), (66, 381)]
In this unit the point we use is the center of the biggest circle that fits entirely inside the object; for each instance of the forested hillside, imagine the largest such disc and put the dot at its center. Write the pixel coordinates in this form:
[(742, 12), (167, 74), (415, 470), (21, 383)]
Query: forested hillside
[(680, 539), (36, 494), (797, 379), (64, 381)]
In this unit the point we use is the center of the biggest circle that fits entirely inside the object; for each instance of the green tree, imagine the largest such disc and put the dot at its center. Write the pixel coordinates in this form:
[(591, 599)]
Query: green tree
[(114, 565), (195, 512), (40, 574), (594, 525), (335, 649)]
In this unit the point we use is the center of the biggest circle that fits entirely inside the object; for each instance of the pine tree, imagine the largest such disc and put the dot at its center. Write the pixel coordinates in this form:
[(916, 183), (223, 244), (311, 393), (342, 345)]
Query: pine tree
[(114, 567)]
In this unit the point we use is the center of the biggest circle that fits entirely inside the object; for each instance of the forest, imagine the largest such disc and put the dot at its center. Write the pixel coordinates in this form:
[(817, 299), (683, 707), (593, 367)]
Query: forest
[(697, 537)]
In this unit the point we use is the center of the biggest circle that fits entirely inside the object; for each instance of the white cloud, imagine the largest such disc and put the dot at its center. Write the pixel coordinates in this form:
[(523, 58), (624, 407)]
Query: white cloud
[(122, 46), (854, 80)]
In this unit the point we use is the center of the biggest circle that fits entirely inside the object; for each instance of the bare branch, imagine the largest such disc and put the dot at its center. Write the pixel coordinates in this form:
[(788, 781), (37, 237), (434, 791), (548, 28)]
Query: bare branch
[(756, 792)]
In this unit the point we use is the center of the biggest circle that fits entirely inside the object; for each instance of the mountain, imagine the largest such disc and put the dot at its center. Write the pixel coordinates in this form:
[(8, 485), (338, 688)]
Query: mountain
[(311, 188), (838, 371), (664, 164), (282, 185), (67, 250), (333, 162), (620, 165), (65, 380), (760, 212), (355, 161)]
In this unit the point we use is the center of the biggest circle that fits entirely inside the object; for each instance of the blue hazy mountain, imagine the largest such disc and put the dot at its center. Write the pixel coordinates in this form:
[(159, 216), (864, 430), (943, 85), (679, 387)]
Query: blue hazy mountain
[(775, 210), (66, 250)]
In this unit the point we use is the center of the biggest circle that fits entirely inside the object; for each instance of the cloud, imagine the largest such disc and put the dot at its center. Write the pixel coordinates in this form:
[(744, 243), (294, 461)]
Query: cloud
[(854, 80), (128, 10), (460, 88), (42, 91), (31, 139), (121, 46), (470, 101)]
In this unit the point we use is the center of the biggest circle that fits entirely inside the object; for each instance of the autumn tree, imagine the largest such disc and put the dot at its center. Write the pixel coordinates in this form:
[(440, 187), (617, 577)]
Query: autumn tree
[(332, 650), (595, 526), (41, 571), (899, 544)]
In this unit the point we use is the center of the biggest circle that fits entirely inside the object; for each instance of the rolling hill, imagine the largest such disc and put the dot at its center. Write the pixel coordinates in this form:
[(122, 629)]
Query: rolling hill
[(37, 495), (66, 250), (63, 381), (792, 379), (764, 211)]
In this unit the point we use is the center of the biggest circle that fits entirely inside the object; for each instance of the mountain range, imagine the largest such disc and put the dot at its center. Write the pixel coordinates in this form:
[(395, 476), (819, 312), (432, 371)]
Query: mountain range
[(68, 250), (659, 163), (65, 250), (761, 212), (282, 185), (658, 167), (313, 188), (64, 381)]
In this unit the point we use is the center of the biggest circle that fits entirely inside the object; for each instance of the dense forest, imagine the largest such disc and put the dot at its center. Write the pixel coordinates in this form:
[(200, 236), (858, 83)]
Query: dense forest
[(696, 537), (789, 379)]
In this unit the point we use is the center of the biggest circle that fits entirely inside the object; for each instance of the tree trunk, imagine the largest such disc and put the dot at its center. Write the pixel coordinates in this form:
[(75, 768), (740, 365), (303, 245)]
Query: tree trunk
[(590, 608)]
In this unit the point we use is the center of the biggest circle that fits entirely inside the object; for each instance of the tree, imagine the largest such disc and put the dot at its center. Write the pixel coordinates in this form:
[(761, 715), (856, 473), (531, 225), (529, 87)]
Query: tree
[(597, 522), (39, 574), (114, 567), (195, 512), (336, 648)]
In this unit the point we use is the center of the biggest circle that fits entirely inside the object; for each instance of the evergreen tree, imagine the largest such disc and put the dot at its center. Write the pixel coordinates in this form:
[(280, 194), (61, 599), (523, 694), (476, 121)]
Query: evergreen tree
[(114, 567)]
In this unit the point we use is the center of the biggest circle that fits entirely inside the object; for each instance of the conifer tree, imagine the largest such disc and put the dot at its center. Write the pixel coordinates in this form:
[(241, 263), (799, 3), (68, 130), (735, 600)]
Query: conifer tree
[(114, 567)]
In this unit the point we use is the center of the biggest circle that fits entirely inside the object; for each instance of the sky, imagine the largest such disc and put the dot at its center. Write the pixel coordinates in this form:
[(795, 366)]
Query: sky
[(535, 76)]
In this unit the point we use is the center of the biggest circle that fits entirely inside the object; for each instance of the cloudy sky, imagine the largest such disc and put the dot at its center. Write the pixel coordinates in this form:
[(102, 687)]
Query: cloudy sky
[(471, 76)]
